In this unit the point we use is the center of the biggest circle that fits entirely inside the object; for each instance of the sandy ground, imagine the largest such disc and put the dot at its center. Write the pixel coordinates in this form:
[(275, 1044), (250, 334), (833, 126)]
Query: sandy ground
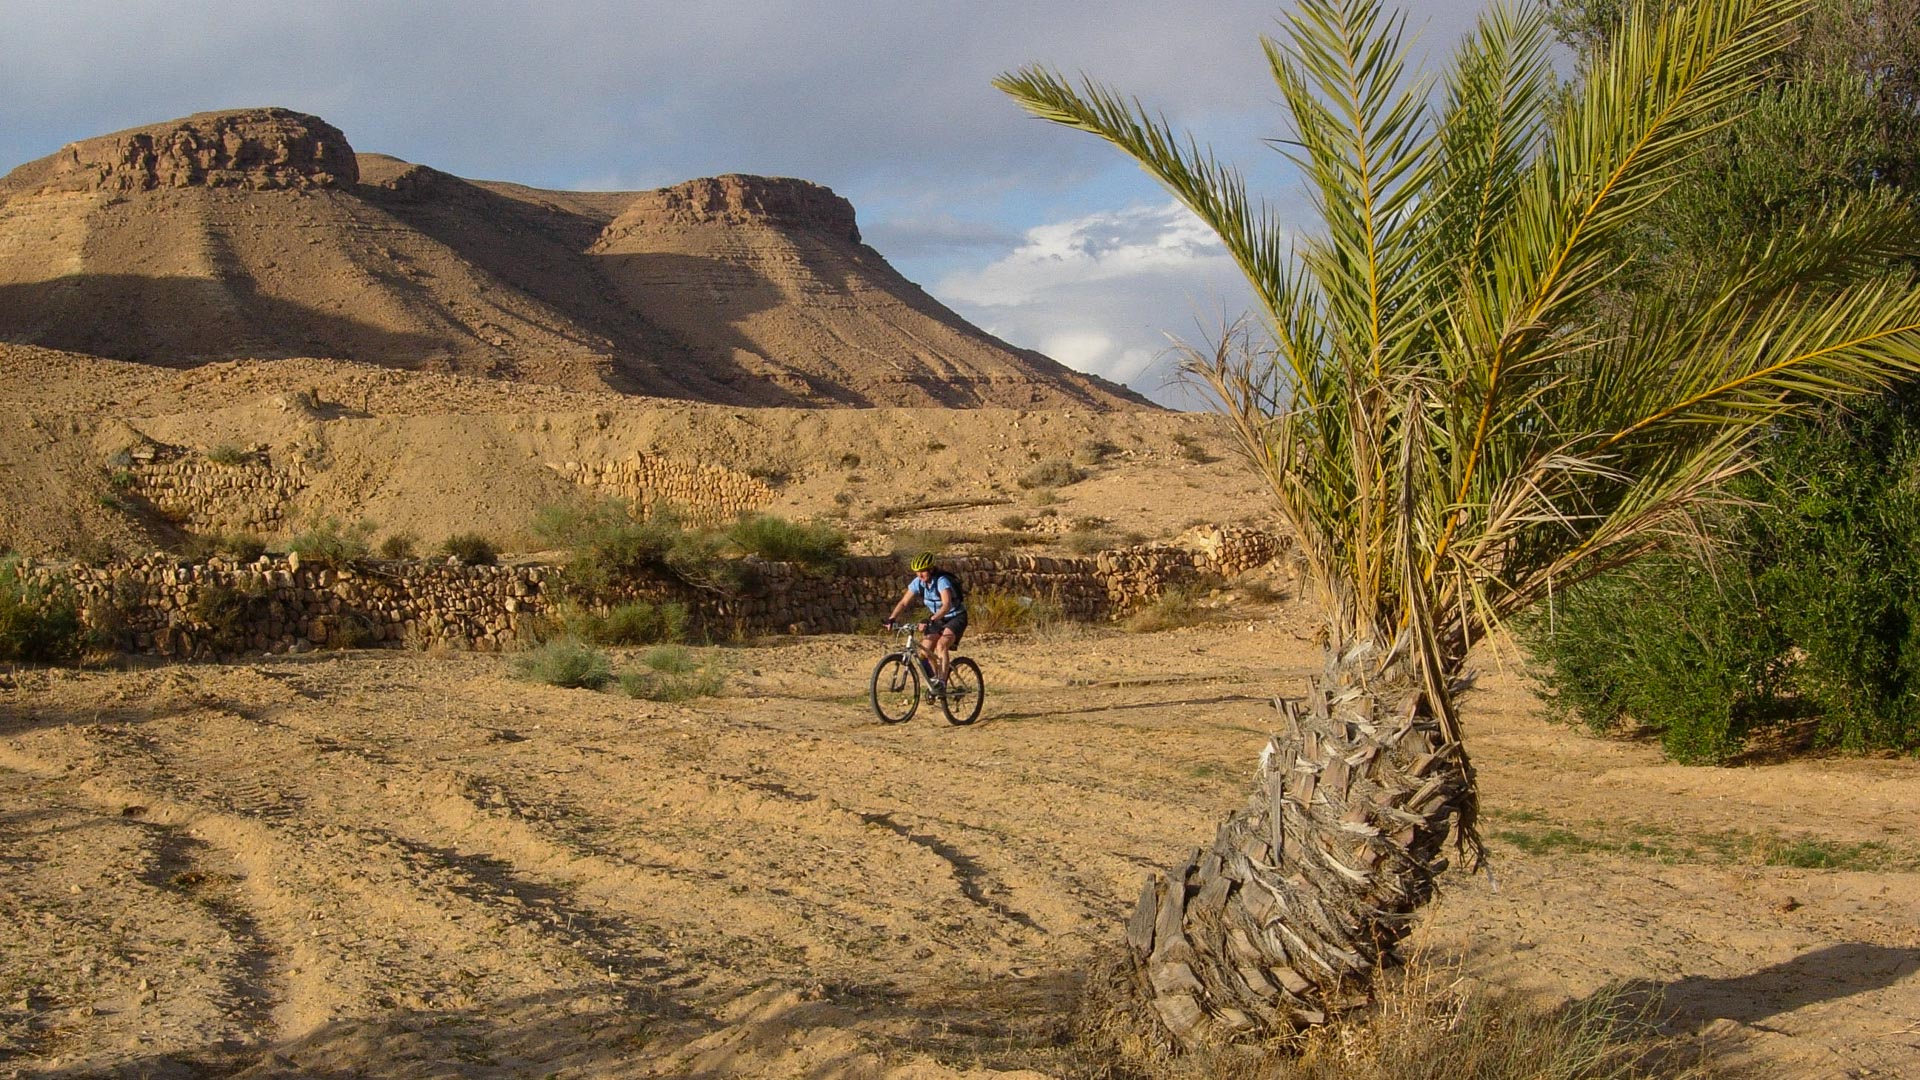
[(412, 865)]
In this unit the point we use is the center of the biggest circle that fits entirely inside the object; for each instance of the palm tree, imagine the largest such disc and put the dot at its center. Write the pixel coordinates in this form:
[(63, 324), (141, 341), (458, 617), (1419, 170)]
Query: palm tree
[(1454, 418)]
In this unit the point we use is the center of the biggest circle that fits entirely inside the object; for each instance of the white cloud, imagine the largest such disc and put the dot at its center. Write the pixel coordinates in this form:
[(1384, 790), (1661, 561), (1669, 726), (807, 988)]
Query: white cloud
[(1106, 292)]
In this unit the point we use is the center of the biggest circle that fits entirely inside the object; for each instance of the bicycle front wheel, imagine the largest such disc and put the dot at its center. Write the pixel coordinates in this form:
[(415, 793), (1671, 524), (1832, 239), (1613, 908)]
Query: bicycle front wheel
[(896, 690), (966, 691)]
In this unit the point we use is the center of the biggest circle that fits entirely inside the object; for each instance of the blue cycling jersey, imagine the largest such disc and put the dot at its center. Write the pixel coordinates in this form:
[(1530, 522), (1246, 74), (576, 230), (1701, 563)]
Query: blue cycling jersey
[(929, 593)]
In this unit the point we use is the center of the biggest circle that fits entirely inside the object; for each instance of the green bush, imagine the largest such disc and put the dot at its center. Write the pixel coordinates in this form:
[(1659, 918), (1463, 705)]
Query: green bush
[(1051, 473), (1812, 611), (611, 544), (37, 624), (816, 545), (564, 662), (471, 549), (229, 454), (398, 545), (328, 543), (674, 673), (636, 622)]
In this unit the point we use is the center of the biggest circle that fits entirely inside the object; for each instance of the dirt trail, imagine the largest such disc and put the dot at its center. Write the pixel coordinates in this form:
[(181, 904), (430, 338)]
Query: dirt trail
[(411, 865)]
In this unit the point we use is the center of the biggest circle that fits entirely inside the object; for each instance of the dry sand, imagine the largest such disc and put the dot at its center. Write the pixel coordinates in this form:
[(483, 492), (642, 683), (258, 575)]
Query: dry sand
[(411, 865)]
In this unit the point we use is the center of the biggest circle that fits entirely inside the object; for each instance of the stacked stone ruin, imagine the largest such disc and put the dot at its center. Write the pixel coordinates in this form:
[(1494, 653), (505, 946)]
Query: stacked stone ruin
[(249, 494), (704, 492), (177, 608)]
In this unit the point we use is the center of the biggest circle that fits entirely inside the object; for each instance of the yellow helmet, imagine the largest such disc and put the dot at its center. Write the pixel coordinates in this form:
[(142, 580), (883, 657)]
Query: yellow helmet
[(922, 561)]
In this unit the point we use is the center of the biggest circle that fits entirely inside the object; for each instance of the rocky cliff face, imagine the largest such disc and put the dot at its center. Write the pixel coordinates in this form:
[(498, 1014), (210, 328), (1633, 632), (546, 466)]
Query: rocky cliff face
[(258, 234), (776, 202), (250, 149)]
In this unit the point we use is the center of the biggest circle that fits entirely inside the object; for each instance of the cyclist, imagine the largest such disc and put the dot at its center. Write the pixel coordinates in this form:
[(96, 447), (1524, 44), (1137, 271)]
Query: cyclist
[(940, 592)]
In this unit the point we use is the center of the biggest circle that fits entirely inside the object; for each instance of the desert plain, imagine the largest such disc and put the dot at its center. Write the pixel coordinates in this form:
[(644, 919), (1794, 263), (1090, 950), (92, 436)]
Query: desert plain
[(407, 863)]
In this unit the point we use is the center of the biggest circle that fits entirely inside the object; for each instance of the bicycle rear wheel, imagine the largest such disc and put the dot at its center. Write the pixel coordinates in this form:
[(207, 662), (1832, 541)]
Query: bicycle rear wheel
[(966, 691), (896, 690)]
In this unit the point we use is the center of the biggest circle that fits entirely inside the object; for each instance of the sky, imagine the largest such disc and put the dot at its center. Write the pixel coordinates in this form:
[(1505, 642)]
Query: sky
[(1045, 237)]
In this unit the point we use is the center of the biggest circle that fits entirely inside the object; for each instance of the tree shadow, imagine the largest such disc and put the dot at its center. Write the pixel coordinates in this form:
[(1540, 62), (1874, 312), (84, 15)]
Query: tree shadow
[(1824, 974)]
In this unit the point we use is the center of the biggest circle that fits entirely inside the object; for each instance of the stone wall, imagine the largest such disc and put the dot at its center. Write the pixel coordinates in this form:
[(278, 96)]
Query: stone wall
[(204, 496), (705, 492), (195, 610)]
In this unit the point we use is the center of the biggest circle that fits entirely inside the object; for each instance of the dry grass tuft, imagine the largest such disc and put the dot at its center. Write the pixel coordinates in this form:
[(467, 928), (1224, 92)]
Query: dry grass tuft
[(1427, 1023)]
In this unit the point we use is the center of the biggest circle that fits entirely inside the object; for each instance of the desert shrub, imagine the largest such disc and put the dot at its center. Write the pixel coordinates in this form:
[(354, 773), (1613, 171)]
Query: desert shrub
[(564, 662), (1176, 606), (815, 545), (1811, 611), (1190, 449), (114, 501), (398, 545), (39, 624), (229, 454), (636, 622), (1093, 452), (122, 479), (1082, 540), (910, 542), (674, 673), (1050, 473), (1045, 496), (996, 611), (227, 613), (351, 630), (611, 544), (470, 548), (1014, 522), (326, 542), (239, 545)]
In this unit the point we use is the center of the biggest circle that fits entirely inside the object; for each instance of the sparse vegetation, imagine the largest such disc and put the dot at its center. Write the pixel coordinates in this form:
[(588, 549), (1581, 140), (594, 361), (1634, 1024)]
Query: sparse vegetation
[(1426, 1021), (612, 543), (229, 454), (226, 611), (995, 611), (674, 673), (329, 543), (1050, 473), (1085, 540), (398, 545), (1191, 450), (38, 624), (1093, 452), (239, 545), (564, 662), (816, 545), (635, 622), (1176, 606), (472, 549), (1015, 522)]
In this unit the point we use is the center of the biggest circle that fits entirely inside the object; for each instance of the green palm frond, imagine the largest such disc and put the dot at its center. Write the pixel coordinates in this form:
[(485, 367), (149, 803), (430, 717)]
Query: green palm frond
[(1444, 421)]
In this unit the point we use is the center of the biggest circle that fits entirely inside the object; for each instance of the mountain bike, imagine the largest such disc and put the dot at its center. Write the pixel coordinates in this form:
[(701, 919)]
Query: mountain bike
[(899, 677)]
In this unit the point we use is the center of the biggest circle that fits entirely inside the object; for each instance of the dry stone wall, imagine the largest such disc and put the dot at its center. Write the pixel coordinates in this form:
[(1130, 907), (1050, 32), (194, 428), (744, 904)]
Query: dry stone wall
[(704, 492), (250, 494), (199, 610)]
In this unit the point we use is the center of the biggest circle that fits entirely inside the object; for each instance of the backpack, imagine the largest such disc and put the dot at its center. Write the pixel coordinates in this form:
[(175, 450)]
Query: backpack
[(959, 593)]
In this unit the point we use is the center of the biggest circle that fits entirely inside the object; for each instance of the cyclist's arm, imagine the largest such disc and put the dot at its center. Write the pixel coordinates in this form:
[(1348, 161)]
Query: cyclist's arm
[(906, 598)]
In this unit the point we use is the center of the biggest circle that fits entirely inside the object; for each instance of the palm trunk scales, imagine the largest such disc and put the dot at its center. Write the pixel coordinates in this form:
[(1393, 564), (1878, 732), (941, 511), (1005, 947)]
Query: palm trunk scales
[(1306, 890)]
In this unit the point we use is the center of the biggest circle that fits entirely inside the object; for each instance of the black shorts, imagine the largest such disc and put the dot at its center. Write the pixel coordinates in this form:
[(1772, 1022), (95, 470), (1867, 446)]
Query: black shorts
[(956, 622)]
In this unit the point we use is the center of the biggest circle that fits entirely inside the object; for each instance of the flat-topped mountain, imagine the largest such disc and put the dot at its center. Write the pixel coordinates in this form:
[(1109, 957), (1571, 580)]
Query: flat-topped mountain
[(261, 234)]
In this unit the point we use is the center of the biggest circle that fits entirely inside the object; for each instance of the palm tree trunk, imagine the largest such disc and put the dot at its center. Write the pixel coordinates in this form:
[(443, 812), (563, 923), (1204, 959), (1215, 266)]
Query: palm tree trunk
[(1285, 919)]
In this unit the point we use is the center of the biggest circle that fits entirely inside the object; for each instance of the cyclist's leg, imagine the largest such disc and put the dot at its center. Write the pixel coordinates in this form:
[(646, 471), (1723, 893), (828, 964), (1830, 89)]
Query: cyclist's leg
[(943, 652)]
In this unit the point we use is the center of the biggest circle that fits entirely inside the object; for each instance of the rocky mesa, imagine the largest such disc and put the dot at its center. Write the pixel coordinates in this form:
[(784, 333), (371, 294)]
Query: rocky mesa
[(262, 234)]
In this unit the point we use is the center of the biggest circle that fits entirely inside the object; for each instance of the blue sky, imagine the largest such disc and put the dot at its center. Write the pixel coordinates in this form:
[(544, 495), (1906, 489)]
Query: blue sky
[(1043, 236)]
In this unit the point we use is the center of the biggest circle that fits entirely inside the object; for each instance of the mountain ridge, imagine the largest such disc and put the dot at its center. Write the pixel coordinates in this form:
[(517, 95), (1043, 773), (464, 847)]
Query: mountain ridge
[(261, 234)]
